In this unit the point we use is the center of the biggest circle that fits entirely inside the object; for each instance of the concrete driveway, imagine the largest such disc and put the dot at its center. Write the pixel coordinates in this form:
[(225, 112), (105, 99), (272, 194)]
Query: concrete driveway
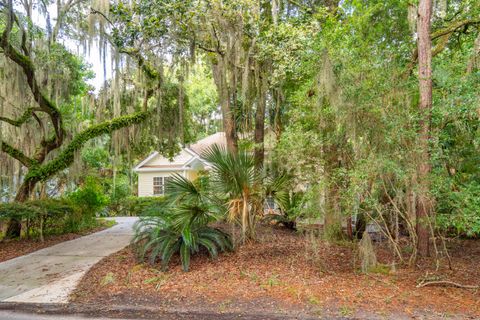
[(50, 275)]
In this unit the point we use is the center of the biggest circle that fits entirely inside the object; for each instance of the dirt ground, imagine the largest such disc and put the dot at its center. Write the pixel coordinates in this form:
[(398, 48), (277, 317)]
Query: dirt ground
[(285, 273), (16, 248)]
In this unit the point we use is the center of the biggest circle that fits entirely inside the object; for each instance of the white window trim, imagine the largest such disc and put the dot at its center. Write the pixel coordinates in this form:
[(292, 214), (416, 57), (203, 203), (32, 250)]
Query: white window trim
[(161, 185)]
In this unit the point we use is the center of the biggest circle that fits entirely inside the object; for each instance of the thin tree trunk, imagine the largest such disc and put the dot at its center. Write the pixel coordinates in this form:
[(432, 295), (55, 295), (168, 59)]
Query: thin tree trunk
[(423, 206), (474, 59), (230, 127), (259, 153), (181, 107), (225, 97), (333, 221), (244, 219)]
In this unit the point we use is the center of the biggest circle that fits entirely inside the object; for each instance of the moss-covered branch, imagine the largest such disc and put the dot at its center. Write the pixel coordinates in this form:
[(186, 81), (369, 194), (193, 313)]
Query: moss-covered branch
[(29, 70), (442, 35), (66, 157), (19, 155), (23, 118), (150, 72), (454, 26)]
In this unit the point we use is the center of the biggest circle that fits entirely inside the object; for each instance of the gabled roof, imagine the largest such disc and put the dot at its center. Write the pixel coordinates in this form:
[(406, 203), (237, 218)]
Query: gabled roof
[(194, 151), (144, 161), (201, 145)]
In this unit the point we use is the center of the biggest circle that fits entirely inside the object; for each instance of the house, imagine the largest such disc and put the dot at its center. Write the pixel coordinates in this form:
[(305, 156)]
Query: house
[(155, 170)]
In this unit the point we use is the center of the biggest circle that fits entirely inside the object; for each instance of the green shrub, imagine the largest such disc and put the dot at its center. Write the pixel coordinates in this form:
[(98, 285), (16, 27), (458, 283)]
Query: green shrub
[(53, 214), (97, 158), (459, 210), (47, 216), (90, 197), (21, 212), (137, 206), (117, 193), (18, 211), (290, 208)]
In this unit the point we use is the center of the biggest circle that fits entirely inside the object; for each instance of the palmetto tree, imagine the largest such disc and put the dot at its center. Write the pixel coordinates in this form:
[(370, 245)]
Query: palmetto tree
[(235, 177), (182, 227), (192, 203)]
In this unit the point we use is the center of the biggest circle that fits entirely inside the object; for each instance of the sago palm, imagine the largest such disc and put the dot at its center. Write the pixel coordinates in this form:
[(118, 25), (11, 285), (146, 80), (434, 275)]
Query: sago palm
[(158, 239), (183, 228)]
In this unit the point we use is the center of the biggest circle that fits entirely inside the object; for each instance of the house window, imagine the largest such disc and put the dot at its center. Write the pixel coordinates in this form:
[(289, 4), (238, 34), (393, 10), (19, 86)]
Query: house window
[(159, 185)]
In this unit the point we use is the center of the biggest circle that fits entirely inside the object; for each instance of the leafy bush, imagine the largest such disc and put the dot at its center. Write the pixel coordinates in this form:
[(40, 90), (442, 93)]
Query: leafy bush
[(116, 192), (290, 208), (89, 198), (47, 216), (181, 226), (17, 211), (459, 210), (137, 206), (97, 158)]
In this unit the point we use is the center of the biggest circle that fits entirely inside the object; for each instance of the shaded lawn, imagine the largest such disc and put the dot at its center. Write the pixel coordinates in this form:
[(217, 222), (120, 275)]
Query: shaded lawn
[(284, 273)]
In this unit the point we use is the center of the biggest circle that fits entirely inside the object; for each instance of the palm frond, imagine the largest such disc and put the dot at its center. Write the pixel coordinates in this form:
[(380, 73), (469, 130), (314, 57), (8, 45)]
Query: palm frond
[(180, 188), (157, 239)]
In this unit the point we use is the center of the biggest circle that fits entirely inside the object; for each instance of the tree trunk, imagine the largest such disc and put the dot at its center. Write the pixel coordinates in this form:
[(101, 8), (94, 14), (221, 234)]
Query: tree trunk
[(475, 58), (181, 108), (230, 127), (225, 97), (259, 153), (333, 220), (423, 205), (14, 228)]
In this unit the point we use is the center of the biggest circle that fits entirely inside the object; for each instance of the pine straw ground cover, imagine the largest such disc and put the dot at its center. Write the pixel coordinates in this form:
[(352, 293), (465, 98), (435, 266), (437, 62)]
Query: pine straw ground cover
[(15, 248), (280, 274)]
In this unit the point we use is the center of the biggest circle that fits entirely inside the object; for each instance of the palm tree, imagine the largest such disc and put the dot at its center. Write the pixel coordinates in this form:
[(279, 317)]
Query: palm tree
[(191, 202), (182, 226), (234, 176)]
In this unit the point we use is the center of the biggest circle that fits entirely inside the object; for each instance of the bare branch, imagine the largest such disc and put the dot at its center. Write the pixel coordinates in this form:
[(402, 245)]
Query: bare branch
[(443, 35), (446, 283), (93, 11)]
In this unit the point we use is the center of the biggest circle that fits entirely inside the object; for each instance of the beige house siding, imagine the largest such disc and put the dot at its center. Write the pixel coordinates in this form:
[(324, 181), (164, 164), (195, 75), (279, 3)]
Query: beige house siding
[(145, 181), (192, 175), (186, 163)]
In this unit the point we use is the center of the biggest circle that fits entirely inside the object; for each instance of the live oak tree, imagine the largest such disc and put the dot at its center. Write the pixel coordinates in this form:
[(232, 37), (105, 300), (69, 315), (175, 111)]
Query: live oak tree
[(54, 147), (373, 104)]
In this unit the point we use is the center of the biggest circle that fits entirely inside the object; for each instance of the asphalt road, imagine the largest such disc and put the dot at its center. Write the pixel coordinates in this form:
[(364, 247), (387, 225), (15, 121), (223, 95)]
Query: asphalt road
[(12, 315)]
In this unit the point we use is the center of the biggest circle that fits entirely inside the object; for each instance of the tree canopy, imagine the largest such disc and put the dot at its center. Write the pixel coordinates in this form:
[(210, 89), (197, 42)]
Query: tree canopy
[(371, 106)]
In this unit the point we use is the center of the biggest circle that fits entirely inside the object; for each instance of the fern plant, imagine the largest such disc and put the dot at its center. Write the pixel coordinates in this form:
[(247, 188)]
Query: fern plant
[(290, 207)]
